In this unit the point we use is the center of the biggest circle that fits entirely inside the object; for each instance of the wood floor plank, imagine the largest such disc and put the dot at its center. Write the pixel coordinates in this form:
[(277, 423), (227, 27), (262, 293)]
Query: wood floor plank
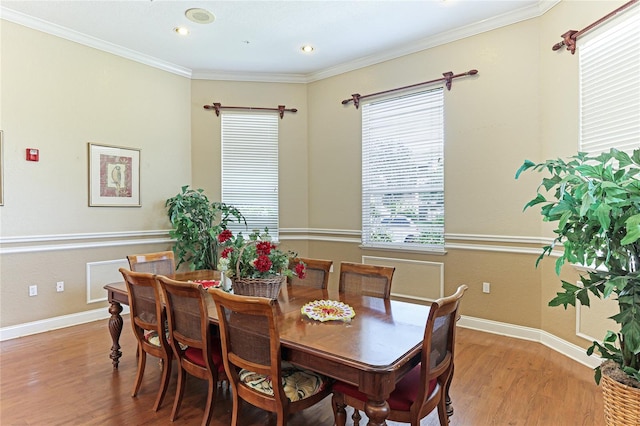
[(65, 377)]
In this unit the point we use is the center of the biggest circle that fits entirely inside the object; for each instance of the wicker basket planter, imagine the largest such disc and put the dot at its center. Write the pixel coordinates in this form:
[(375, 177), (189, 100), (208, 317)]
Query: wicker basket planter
[(261, 287), (621, 403)]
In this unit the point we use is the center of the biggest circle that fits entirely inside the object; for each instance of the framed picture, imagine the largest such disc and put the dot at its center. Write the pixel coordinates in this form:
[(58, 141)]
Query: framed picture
[(1, 170), (114, 176)]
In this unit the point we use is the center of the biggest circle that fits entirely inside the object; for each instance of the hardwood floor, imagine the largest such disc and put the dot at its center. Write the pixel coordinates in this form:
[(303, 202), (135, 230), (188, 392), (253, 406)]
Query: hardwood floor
[(65, 377)]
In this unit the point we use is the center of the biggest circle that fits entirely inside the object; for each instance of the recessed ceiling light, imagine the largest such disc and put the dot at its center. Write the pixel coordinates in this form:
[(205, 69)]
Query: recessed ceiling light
[(307, 48), (181, 30), (199, 16)]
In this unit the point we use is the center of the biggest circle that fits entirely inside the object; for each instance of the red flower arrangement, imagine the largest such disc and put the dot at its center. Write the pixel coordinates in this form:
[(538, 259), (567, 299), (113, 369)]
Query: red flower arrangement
[(255, 257)]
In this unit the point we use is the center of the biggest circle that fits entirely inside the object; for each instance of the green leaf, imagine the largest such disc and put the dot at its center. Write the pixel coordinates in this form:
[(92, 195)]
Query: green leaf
[(525, 166), (539, 199), (632, 225)]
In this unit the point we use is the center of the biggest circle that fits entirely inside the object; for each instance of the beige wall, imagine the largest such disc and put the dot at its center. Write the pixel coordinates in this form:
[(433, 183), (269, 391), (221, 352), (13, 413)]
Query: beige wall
[(523, 104), (57, 96)]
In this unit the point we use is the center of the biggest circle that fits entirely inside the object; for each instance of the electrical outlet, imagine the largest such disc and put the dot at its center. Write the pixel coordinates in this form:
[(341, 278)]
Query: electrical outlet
[(33, 290), (486, 287), (60, 286)]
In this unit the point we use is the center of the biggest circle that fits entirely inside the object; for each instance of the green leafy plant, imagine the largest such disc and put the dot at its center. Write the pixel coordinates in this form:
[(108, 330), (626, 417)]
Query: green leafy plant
[(196, 224), (595, 201)]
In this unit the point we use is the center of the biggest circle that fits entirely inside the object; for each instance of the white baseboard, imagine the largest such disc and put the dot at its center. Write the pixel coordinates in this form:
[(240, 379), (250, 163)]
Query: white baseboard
[(574, 352), (54, 323)]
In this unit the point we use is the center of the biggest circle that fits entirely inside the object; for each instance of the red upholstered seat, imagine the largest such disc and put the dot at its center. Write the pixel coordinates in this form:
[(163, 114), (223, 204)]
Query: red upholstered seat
[(401, 398), (195, 355)]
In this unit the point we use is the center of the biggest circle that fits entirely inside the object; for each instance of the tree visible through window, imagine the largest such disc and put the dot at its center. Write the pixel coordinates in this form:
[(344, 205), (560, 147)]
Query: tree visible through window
[(250, 169), (403, 172)]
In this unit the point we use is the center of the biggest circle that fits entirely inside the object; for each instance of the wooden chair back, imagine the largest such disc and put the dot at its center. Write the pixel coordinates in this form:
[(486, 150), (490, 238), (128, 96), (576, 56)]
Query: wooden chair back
[(368, 280), (438, 349), (160, 263), (317, 272), (427, 386), (148, 320), (192, 338), (251, 341)]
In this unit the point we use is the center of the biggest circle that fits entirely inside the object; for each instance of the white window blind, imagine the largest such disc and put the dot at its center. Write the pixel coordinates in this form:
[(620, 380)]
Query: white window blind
[(250, 169), (403, 172), (610, 85)]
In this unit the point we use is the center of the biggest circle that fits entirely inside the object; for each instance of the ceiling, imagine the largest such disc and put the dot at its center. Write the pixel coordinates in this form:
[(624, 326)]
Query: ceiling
[(262, 40)]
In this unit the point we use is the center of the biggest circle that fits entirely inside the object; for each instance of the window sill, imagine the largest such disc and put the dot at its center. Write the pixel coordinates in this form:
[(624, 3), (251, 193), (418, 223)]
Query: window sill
[(405, 250)]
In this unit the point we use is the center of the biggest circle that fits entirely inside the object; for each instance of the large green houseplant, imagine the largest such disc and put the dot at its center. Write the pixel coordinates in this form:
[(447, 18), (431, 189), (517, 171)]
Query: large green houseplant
[(196, 224), (595, 201)]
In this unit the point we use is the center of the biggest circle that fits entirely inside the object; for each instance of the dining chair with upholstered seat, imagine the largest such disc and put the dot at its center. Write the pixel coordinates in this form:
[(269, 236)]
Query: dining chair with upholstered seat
[(316, 272), (148, 320), (368, 280), (192, 339), (425, 387), (160, 263), (252, 357)]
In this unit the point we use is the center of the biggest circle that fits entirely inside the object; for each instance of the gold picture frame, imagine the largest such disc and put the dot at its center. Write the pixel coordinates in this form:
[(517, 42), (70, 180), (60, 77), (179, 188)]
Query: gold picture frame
[(114, 176)]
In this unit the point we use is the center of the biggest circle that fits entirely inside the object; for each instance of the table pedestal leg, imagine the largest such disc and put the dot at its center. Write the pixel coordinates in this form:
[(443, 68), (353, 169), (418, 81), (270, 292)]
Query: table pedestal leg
[(115, 329), (377, 412)]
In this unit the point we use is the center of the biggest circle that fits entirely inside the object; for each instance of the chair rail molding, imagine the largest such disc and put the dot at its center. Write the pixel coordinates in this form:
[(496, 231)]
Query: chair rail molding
[(55, 242)]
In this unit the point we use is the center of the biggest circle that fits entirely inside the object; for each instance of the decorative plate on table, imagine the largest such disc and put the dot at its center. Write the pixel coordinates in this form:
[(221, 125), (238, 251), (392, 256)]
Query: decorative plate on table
[(208, 283), (328, 310)]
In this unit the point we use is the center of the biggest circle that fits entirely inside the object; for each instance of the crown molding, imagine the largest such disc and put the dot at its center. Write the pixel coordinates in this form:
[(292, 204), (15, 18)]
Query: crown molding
[(67, 34), (499, 21)]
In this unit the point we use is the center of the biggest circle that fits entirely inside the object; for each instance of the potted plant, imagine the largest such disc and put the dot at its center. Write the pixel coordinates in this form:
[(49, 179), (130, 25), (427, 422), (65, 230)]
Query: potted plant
[(595, 201), (255, 265), (196, 224)]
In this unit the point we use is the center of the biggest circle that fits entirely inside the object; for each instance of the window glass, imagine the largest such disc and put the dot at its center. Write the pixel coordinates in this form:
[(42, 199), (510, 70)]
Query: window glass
[(250, 169), (403, 172), (610, 85)]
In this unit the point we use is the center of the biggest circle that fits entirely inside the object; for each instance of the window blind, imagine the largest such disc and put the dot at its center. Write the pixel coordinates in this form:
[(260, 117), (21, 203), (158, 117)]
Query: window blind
[(403, 172), (609, 61), (250, 169)]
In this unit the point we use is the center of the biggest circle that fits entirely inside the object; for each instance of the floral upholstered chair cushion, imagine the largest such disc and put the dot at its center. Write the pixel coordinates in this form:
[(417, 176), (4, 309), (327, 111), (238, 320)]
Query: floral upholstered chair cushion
[(298, 384), (151, 336)]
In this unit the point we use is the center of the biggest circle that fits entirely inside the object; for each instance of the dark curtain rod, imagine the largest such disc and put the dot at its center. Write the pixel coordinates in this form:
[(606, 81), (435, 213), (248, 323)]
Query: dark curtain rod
[(281, 109), (448, 77), (570, 37)]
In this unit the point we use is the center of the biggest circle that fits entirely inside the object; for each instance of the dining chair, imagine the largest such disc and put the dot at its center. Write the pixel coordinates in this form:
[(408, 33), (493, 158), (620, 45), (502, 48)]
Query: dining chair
[(368, 280), (252, 357), (192, 339), (426, 386), (148, 320), (161, 263), (317, 272)]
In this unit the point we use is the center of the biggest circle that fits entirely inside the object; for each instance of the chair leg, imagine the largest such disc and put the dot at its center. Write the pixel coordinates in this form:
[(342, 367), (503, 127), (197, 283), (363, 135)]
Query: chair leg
[(182, 377), (211, 396), (235, 409), (339, 414), (442, 411), (164, 384), (142, 360), (356, 417)]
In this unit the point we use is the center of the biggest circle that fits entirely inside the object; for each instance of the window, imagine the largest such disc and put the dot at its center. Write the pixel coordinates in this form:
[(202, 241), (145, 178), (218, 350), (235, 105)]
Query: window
[(610, 86), (250, 169), (403, 172)]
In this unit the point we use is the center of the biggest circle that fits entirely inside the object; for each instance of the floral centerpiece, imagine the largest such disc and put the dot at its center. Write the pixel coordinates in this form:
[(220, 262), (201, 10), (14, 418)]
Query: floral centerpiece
[(255, 265)]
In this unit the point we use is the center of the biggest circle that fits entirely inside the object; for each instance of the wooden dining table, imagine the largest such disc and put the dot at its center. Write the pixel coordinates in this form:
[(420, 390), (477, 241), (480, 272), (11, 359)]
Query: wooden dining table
[(372, 351)]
